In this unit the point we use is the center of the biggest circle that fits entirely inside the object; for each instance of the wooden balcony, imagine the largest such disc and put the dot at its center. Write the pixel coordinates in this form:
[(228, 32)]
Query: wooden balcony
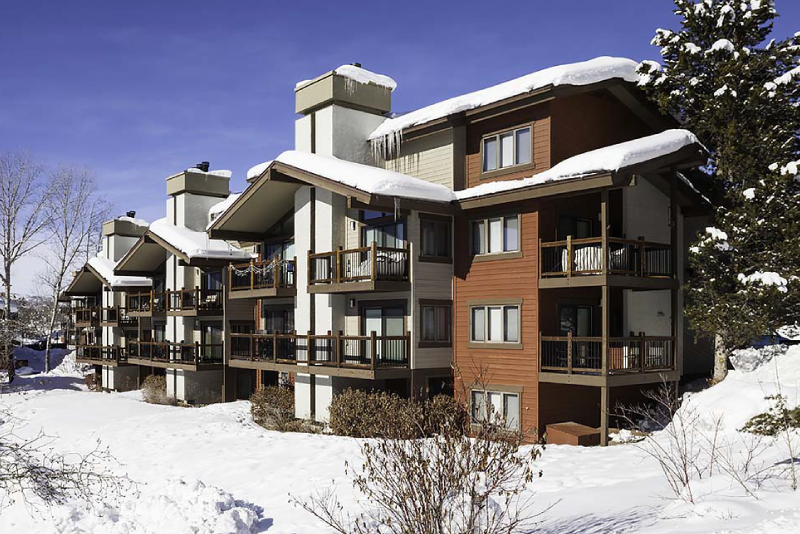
[(118, 317), (330, 354), (111, 355), (186, 356), (146, 304), (361, 269), (87, 317), (620, 262), (628, 360), (263, 279), (194, 302)]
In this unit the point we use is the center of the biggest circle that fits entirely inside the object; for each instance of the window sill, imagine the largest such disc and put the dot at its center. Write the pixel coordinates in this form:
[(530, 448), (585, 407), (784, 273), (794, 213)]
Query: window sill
[(434, 345), (435, 259), (494, 346), (477, 258), (507, 170)]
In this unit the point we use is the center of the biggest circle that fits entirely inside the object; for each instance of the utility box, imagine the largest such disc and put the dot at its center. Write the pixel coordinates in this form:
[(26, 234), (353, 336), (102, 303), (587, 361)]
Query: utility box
[(572, 433)]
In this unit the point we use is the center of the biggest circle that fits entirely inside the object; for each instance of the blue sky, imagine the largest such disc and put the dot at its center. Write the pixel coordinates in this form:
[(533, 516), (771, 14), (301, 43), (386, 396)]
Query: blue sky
[(136, 91)]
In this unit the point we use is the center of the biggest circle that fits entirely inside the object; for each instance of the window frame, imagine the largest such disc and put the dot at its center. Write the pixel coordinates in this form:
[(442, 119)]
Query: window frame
[(492, 303), (514, 167), (435, 304), (503, 391), (434, 219), (504, 254)]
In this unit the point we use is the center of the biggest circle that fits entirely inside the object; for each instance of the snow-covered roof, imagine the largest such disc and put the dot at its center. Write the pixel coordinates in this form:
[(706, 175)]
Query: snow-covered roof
[(105, 268), (223, 173), (195, 244), (606, 159), (133, 220), (358, 74), (256, 170), (582, 73), (220, 207), (371, 180)]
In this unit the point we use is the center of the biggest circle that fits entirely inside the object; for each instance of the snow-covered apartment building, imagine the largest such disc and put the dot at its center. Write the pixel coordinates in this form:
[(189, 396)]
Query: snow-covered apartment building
[(521, 246)]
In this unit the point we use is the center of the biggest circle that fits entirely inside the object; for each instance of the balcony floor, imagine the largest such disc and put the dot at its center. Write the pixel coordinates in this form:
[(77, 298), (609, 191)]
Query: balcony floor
[(260, 293), (327, 370), (611, 280), (160, 364), (360, 287), (611, 380)]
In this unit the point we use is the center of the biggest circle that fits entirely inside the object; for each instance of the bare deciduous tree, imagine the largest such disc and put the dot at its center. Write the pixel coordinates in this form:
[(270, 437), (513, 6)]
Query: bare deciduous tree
[(22, 219), (75, 213)]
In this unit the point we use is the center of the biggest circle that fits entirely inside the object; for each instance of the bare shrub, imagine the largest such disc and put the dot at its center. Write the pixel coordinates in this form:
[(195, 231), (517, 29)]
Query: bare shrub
[(367, 414), (154, 391), (446, 484), (273, 408), (31, 470), (691, 447), (93, 382)]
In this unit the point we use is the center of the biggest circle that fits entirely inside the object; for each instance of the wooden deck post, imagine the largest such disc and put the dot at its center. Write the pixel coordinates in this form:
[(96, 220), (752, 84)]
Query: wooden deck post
[(569, 352), (373, 349), (310, 352), (604, 252), (606, 311), (569, 256), (604, 409), (276, 272), (642, 353), (274, 346), (339, 348), (373, 260), (196, 354), (252, 274), (539, 259), (338, 265)]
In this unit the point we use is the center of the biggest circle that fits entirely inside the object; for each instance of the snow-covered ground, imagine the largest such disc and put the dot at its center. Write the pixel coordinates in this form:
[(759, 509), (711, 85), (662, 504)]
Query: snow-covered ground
[(211, 470)]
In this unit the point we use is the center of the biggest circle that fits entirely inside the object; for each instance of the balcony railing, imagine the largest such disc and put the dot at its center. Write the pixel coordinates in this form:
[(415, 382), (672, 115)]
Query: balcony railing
[(86, 316), (177, 353), (266, 274), (194, 301), (580, 257), (117, 316), (101, 354), (332, 350), (362, 264), (146, 302), (584, 355)]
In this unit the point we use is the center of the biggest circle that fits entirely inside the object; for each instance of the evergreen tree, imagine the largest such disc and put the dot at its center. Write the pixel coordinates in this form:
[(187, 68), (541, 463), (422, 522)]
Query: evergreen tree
[(739, 93)]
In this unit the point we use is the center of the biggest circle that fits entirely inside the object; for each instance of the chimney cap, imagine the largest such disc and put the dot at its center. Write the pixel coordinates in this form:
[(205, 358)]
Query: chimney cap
[(203, 166), (356, 64), (130, 214)]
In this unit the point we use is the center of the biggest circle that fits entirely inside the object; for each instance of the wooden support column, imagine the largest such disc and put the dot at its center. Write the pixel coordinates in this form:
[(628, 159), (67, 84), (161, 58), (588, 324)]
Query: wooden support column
[(677, 361), (604, 229), (604, 409), (605, 301)]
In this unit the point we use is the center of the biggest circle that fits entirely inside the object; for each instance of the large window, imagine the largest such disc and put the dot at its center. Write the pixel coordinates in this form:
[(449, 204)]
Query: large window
[(283, 249), (435, 238), (507, 149), (576, 319), (436, 322), (277, 320), (495, 235), (384, 229), (495, 324), (492, 405)]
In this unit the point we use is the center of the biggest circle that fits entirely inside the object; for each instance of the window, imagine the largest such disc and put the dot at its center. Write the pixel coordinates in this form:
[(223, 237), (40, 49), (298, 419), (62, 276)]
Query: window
[(489, 405), (277, 320), (496, 235), (507, 149), (495, 324), (577, 227), (435, 235), (383, 228), (436, 326), (284, 250), (576, 319)]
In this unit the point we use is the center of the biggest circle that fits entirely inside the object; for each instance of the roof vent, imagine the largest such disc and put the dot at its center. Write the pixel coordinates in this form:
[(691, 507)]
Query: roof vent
[(130, 214), (203, 166), (356, 65)]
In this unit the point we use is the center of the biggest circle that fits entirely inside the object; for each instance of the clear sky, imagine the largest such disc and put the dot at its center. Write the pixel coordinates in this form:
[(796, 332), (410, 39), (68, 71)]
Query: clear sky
[(139, 90)]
